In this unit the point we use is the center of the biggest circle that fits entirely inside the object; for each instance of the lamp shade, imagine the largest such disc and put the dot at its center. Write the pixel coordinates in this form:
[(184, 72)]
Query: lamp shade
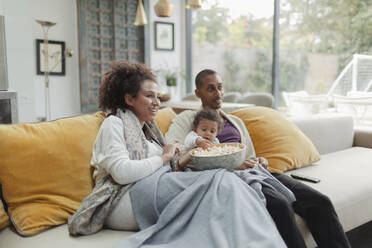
[(140, 15), (193, 4), (46, 23), (163, 8)]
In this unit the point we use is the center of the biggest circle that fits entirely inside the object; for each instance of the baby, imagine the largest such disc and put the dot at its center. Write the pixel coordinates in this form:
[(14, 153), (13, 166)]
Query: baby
[(206, 126)]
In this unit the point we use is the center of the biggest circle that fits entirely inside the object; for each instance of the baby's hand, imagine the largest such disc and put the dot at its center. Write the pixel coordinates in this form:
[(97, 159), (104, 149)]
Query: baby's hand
[(203, 143)]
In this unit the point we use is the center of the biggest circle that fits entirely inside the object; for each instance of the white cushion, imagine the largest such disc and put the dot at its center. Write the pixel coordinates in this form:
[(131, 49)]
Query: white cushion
[(328, 132), (346, 180)]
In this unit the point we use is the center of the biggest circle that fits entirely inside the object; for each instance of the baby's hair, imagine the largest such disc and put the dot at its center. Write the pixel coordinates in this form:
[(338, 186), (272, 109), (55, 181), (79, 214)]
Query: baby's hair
[(208, 114)]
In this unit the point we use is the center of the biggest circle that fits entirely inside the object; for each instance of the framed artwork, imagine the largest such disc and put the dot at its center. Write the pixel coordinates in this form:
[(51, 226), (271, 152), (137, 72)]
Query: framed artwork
[(56, 58), (164, 36)]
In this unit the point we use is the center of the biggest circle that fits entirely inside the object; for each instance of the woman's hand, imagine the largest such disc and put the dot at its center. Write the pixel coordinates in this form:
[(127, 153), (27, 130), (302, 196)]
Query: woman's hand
[(203, 143), (169, 151), (183, 161)]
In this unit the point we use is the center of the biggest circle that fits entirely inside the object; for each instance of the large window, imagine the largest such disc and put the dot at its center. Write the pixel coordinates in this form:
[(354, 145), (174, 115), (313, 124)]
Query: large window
[(234, 38), (317, 40)]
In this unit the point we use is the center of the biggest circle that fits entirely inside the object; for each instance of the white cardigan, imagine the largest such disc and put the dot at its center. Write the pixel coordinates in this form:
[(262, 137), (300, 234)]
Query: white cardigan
[(182, 125), (110, 155)]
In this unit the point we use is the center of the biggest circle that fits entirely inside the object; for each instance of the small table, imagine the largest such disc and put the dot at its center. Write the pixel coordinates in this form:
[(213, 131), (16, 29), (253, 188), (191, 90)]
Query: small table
[(180, 106)]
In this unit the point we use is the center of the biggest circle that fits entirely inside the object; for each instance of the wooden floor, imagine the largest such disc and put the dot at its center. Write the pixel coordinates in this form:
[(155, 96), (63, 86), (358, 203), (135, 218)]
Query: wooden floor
[(361, 237)]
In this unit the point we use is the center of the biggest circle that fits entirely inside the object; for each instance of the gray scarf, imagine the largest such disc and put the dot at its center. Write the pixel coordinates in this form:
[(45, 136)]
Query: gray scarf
[(106, 194)]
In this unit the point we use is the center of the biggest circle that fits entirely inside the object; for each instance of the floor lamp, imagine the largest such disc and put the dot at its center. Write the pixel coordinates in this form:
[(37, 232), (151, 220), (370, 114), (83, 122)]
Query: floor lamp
[(46, 25)]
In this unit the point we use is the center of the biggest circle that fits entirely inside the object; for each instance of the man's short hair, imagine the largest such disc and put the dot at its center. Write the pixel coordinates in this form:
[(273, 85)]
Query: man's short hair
[(201, 75)]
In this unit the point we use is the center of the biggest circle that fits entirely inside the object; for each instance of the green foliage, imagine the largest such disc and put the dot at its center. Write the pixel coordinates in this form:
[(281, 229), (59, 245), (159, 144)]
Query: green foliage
[(326, 26), (171, 80), (342, 27), (246, 31), (211, 24), (171, 76), (260, 78), (232, 68)]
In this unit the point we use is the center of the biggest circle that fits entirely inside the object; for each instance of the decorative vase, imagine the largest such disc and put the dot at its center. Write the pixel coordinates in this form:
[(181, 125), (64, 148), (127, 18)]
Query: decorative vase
[(163, 8)]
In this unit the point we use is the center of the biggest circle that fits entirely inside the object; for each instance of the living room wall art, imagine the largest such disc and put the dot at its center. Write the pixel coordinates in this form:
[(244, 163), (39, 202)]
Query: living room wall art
[(56, 60), (164, 36)]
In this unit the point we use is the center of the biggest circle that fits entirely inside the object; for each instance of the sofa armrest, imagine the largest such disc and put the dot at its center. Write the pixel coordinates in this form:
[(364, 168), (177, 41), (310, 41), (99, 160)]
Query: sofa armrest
[(363, 137), (328, 132)]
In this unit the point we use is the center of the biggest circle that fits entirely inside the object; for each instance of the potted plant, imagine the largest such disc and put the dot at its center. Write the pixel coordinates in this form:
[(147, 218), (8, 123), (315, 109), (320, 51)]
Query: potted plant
[(171, 79)]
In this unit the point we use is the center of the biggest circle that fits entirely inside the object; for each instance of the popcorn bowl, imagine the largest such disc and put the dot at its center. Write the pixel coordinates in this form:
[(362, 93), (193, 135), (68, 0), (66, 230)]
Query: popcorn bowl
[(225, 155)]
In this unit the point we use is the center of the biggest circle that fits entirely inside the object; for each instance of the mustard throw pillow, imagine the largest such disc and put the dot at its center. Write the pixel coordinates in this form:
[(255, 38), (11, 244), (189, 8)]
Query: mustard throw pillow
[(164, 119), (277, 139), (4, 219), (45, 170)]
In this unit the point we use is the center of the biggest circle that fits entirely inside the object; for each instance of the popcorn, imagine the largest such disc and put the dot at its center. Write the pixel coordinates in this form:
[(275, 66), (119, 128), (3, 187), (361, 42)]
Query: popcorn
[(215, 150)]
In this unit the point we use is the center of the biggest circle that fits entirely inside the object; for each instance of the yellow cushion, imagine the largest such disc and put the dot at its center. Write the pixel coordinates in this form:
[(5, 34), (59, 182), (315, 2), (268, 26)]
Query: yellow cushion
[(45, 170), (4, 219), (164, 119), (277, 139)]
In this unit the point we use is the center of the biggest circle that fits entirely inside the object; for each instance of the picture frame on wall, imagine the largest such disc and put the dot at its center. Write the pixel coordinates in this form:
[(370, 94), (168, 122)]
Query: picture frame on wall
[(164, 36), (56, 59)]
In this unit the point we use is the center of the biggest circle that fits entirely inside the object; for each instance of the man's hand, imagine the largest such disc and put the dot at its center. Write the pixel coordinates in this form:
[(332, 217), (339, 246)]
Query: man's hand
[(247, 164), (203, 143), (263, 162), (250, 163)]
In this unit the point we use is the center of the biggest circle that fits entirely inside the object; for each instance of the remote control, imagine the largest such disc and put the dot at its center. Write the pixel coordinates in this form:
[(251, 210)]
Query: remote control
[(305, 178)]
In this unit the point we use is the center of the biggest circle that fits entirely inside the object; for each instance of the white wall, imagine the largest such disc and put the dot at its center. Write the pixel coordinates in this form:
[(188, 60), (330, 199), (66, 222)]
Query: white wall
[(169, 59), (21, 32), (18, 33), (64, 90), (1, 8)]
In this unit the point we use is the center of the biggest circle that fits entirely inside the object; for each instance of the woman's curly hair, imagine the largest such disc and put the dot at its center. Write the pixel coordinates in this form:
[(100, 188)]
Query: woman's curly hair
[(123, 78)]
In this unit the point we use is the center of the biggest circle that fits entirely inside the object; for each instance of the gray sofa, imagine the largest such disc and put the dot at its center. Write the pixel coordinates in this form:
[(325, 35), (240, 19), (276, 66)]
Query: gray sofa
[(344, 170)]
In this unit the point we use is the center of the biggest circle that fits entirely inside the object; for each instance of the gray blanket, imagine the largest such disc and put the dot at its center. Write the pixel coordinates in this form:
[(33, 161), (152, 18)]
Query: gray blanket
[(199, 209), (260, 177)]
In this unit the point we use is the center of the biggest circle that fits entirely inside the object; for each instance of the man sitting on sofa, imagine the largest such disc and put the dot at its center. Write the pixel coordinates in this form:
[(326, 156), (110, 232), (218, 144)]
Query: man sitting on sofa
[(315, 208)]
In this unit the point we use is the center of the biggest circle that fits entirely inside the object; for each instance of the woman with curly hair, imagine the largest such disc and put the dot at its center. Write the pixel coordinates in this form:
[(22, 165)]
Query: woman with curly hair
[(136, 188)]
